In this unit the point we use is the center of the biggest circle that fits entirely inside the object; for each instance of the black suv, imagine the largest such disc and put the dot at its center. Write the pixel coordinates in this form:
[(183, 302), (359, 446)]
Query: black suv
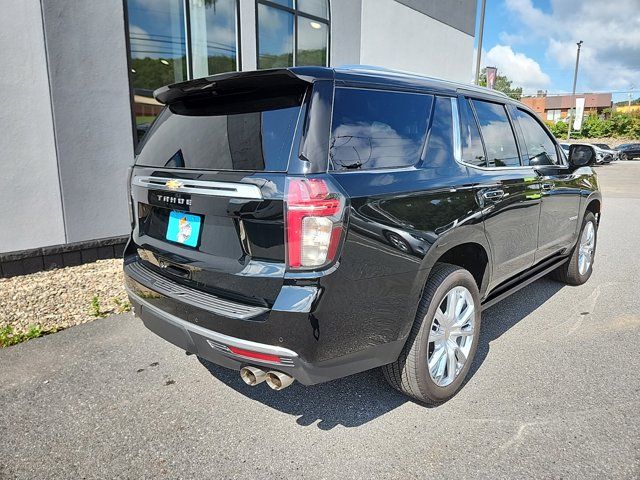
[(311, 223)]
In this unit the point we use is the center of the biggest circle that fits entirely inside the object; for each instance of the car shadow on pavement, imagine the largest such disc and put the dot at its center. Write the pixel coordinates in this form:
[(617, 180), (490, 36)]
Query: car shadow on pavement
[(502, 316), (355, 400)]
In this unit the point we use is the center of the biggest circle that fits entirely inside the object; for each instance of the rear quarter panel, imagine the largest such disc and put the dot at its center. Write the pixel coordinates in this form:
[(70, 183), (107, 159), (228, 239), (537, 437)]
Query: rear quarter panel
[(428, 210)]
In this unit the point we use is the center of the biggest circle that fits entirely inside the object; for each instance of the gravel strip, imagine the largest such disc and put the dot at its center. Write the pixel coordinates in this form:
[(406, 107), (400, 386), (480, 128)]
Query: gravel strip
[(64, 297)]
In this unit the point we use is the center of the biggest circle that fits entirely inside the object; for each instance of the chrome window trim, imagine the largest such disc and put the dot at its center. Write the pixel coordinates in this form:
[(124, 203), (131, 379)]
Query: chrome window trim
[(201, 187), (457, 134), (470, 165)]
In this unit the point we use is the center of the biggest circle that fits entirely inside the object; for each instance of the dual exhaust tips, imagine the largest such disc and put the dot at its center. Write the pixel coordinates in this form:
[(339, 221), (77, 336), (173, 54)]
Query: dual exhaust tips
[(276, 380)]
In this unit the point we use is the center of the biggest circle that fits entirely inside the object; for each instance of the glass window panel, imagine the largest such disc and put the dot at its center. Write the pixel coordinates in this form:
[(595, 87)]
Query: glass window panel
[(319, 8), (275, 37), (158, 53), (540, 148), (284, 3), (248, 137), (213, 36), (312, 42), (440, 148), (377, 129), (497, 134), (472, 149)]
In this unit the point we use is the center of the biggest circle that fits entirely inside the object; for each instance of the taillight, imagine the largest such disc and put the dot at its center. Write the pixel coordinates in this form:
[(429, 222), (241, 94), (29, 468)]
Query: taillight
[(313, 222)]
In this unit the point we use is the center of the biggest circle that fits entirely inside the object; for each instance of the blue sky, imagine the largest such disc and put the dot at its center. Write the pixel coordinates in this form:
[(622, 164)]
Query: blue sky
[(533, 43)]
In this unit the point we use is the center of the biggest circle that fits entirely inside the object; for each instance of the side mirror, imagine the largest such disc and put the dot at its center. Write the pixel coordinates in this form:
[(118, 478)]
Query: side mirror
[(581, 155)]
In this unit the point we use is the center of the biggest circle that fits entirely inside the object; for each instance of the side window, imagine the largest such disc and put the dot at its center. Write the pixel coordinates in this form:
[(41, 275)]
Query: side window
[(497, 133), (472, 148), (540, 148), (377, 129), (440, 148)]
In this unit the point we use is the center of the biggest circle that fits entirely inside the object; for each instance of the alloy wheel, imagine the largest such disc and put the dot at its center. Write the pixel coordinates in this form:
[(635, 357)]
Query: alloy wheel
[(451, 336), (587, 245)]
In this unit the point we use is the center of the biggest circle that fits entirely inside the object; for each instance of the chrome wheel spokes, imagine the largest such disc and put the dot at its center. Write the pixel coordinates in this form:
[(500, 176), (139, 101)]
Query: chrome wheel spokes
[(451, 336), (586, 248)]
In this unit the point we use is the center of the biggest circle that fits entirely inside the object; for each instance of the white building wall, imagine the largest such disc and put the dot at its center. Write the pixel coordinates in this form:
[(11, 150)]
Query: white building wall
[(397, 36), (30, 203), (345, 40), (248, 34), (89, 86)]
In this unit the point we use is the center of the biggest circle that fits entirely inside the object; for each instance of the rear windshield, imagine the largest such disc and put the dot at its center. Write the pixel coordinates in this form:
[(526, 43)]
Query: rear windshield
[(244, 134)]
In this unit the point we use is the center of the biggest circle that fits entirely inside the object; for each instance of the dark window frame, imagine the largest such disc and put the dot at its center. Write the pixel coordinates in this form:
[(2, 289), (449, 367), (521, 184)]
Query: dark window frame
[(188, 49), (514, 132), (296, 13), (562, 155)]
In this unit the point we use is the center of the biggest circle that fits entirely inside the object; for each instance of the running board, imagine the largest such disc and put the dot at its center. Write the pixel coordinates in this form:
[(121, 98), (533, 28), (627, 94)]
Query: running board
[(522, 281)]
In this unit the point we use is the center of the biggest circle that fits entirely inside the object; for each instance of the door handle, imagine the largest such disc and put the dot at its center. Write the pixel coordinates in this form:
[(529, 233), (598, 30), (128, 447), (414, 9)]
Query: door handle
[(493, 194), (547, 186)]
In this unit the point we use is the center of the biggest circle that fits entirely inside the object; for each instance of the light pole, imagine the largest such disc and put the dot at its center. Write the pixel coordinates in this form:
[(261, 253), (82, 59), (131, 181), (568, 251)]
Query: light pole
[(573, 94), (479, 51)]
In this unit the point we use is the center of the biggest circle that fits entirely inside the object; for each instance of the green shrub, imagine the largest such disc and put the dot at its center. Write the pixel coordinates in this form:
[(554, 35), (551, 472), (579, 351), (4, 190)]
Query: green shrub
[(616, 125)]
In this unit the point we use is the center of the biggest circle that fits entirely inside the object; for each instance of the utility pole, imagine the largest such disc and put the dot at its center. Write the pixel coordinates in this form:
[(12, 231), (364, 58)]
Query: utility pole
[(479, 50), (573, 95)]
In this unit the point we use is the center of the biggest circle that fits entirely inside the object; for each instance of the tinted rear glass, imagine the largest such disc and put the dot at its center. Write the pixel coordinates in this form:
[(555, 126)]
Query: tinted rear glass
[(256, 135), (377, 129)]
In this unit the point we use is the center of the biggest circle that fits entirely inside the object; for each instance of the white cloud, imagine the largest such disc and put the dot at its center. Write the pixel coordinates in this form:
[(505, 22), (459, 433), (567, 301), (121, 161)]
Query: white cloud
[(610, 55), (524, 71), (511, 39)]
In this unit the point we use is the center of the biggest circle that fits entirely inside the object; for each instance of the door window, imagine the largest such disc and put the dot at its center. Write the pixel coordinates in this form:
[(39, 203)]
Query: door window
[(472, 149), (497, 133), (540, 148)]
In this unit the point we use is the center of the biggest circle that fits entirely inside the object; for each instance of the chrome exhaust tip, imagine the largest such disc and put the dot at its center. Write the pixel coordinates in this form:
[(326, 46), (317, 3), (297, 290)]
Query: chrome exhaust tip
[(279, 380), (253, 375)]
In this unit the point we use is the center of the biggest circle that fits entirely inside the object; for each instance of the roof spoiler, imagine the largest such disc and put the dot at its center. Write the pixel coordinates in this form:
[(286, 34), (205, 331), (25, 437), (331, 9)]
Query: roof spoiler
[(236, 82)]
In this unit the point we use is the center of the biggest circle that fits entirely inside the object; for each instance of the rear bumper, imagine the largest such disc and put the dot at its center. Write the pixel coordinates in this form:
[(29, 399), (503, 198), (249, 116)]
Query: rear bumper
[(167, 316)]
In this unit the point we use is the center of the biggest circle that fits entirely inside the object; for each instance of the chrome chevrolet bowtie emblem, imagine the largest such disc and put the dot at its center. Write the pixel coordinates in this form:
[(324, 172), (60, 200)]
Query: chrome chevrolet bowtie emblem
[(173, 184)]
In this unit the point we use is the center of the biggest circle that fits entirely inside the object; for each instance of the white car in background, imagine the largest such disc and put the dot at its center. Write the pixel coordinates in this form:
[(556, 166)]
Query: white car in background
[(615, 154), (602, 156)]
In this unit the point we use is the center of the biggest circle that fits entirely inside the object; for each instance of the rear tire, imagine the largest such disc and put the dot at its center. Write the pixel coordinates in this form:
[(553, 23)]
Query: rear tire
[(419, 371), (574, 272)]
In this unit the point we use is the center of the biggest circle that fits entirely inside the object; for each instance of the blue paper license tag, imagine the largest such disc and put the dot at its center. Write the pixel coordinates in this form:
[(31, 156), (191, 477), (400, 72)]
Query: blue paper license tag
[(184, 228)]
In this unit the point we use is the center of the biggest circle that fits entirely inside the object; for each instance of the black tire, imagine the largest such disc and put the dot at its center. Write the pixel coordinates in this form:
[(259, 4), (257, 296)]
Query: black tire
[(569, 273), (410, 374)]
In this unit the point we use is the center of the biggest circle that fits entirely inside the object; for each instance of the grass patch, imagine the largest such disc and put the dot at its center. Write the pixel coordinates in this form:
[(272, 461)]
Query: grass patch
[(8, 336)]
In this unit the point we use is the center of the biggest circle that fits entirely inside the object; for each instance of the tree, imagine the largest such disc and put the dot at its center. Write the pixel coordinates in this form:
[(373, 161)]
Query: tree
[(502, 84)]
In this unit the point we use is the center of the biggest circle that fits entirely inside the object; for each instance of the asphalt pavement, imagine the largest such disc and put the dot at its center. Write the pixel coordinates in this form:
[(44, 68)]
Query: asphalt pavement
[(554, 393)]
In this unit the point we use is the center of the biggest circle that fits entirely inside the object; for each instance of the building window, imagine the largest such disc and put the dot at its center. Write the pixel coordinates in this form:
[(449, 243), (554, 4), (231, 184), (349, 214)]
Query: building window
[(213, 36), (176, 40), (292, 33), (553, 115)]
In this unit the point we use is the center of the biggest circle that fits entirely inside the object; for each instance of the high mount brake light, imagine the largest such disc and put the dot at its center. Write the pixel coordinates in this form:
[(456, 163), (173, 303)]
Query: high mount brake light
[(313, 222)]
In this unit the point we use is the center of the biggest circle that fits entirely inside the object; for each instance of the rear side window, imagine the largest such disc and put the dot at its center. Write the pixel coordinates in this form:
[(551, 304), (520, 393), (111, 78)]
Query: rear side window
[(253, 136), (472, 149), (540, 148), (497, 133), (440, 148), (377, 129)]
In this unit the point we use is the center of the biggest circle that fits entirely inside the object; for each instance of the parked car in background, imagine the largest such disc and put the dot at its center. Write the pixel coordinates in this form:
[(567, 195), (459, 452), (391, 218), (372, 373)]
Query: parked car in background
[(601, 156), (613, 153), (629, 151), (311, 223)]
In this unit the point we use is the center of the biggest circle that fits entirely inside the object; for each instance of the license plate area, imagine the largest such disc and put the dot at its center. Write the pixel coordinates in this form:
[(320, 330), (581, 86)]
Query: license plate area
[(184, 228)]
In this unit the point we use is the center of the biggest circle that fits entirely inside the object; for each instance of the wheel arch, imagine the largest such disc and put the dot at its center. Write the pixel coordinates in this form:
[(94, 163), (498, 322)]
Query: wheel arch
[(460, 246)]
